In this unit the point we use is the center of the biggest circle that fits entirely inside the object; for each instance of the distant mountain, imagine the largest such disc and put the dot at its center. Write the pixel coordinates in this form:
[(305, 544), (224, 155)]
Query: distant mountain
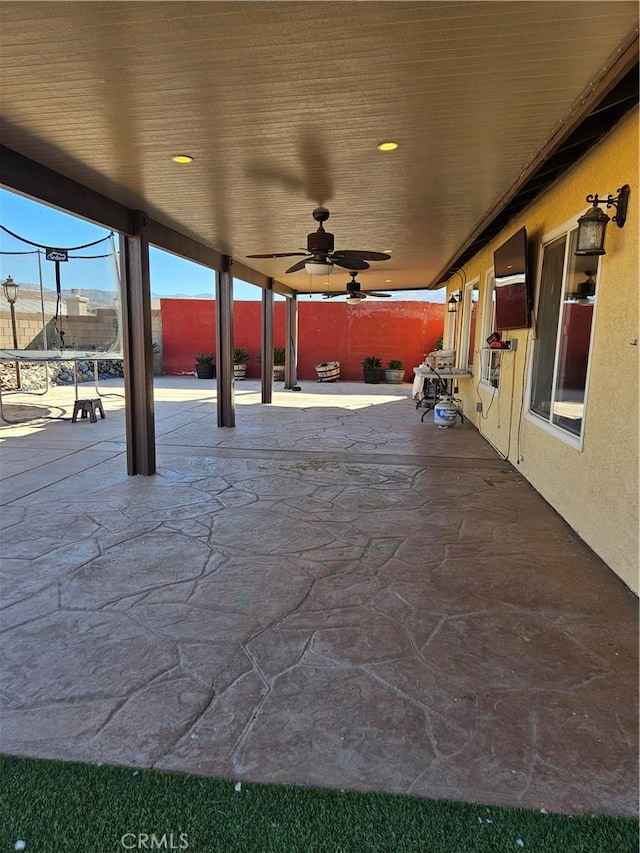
[(97, 298)]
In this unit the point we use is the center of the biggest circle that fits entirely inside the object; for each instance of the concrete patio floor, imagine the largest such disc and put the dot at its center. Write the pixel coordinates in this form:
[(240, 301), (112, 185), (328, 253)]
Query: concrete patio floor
[(332, 593)]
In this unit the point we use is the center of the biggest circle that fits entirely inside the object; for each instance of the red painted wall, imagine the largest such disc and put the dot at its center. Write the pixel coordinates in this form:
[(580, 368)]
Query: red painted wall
[(328, 331)]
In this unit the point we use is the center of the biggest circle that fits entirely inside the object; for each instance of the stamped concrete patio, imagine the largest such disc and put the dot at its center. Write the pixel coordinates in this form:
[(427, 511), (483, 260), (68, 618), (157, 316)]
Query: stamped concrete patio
[(331, 594)]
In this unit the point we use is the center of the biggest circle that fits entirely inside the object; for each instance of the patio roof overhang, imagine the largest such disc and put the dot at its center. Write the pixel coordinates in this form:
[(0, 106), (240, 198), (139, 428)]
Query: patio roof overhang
[(487, 107)]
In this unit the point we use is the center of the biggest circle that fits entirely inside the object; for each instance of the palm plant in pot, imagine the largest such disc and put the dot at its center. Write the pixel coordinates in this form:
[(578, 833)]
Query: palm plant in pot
[(372, 369), (240, 360), (278, 364), (205, 365), (394, 374)]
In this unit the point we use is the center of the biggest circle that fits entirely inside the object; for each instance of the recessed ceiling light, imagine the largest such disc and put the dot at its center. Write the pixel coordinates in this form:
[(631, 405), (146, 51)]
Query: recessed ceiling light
[(387, 281), (388, 251), (387, 146), (182, 158)]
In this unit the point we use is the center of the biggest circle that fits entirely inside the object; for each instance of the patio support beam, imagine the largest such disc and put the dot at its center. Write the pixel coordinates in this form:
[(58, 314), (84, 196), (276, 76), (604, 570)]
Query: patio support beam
[(266, 360), (30, 178), (138, 356), (291, 342), (224, 345)]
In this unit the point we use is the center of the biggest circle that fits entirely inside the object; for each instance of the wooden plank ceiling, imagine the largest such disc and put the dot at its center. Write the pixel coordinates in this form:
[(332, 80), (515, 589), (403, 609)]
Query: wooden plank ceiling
[(282, 104)]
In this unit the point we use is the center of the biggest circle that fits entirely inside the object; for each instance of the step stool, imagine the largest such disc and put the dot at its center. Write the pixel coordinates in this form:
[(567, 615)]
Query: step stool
[(88, 408)]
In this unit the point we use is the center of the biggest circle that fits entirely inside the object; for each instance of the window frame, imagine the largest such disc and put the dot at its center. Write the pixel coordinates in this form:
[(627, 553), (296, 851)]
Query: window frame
[(467, 315), (450, 329), (488, 326), (552, 429)]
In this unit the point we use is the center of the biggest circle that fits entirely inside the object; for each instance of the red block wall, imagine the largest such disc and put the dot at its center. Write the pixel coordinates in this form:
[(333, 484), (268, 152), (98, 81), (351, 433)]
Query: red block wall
[(327, 331)]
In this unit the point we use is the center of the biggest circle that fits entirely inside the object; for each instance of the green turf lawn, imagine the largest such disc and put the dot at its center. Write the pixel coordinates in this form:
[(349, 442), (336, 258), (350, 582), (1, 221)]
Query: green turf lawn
[(58, 807)]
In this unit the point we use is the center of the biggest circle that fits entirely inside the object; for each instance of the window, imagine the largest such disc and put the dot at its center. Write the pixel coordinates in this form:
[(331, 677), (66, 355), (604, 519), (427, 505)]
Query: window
[(491, 359), (469, 315), (560, 363)]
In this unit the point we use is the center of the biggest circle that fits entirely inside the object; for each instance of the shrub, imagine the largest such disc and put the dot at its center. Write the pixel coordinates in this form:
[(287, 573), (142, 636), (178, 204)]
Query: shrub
[(371, 362)]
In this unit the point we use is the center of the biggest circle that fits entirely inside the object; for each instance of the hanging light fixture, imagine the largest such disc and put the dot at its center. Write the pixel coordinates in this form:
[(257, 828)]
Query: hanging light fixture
[(452, 305), (593, 224), (585, 292)]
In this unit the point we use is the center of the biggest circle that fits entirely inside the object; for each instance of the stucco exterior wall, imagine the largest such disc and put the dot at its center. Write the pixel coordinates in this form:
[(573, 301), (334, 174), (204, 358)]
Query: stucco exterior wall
[(594, 488), (327, 331)]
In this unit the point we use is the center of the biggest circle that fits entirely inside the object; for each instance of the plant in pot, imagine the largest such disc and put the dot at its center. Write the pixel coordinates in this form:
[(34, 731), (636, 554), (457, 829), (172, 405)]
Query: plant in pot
[(278, 364), (156, 356), (372, 369), (205, 365), (240, 360), (394, 374)]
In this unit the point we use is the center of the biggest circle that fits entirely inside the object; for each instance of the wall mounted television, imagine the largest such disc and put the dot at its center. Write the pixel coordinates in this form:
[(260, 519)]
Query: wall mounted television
[(513, 292)]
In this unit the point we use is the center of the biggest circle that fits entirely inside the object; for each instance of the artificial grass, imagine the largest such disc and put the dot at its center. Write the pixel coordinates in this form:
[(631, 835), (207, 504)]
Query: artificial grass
[(55, 806)]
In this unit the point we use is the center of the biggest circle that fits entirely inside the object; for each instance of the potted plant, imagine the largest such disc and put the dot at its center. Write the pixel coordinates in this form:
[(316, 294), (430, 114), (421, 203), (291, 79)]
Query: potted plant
[(205, 365), (156, 355), (240, 360), (394, 374), (372, 369), (278, 364)]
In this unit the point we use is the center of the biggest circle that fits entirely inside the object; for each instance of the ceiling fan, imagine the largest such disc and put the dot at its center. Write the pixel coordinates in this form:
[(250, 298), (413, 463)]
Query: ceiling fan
[(353, 292), (320, 256)]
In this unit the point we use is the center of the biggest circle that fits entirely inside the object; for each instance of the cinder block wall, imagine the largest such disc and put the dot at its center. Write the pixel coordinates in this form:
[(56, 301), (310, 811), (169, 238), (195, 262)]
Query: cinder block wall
[(93, 331)]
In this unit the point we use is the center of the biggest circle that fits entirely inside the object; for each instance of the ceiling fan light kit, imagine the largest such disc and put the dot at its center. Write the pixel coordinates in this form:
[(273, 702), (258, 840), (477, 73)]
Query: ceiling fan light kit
[(318, 267), (354, 293), (320, 257)]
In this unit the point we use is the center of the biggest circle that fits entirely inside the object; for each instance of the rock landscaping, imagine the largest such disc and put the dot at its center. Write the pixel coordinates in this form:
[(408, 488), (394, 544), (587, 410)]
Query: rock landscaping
[(33, 375)]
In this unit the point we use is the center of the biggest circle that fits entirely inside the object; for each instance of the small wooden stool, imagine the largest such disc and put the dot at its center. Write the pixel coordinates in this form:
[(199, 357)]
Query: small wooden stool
[(88, 408)]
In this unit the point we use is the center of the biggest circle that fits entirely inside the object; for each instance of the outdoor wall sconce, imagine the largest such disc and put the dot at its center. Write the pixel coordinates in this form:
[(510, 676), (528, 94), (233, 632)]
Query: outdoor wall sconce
[(593, 224), (454, 301)]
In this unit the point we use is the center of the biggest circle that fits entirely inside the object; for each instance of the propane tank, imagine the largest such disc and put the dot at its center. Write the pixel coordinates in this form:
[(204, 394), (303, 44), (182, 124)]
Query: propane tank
[(445, 412)]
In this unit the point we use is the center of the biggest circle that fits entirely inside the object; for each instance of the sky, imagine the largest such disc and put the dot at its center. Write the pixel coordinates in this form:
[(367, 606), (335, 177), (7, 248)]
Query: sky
[(47, 226)]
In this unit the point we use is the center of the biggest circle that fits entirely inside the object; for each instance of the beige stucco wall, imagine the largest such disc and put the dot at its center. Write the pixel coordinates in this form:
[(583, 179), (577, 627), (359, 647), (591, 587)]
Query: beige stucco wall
[(596, 488)]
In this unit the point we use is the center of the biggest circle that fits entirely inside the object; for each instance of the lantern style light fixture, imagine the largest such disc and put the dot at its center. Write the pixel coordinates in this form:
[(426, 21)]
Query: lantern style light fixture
[(10, 290), (452, 304), (593, 224)]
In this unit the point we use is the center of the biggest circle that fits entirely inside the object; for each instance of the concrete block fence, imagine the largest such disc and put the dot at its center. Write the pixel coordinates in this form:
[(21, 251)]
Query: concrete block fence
[(328, 331)]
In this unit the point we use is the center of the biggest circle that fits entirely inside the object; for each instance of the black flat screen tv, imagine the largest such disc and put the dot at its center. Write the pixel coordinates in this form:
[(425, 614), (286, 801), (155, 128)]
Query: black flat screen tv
[(513, 294)]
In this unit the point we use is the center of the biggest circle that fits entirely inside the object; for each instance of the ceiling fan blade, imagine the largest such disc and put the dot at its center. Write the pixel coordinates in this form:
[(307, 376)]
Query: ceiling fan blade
[(376, 293), (299, 265), (364, 256), (278, 255), (349, 262), (332, 295)]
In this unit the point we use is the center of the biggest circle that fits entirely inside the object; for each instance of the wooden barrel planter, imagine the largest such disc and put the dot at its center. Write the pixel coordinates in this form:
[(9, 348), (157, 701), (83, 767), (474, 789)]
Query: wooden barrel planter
[(328, 371)]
